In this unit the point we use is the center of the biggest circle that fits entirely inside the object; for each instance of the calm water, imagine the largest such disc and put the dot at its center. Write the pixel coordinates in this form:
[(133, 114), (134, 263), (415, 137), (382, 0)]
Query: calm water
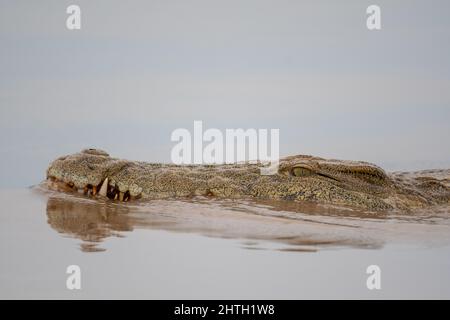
[(135, 73), (215, 249)]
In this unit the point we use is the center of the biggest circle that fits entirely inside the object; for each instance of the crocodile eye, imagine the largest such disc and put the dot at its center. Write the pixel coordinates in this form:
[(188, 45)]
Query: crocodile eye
[(302, 172)]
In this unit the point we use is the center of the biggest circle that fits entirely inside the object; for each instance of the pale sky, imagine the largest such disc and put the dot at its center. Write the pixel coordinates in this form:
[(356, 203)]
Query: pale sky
[(137, 70)]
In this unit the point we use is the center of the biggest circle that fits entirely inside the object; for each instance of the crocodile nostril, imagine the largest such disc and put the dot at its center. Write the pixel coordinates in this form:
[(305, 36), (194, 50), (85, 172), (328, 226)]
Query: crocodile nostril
[(96, 152)]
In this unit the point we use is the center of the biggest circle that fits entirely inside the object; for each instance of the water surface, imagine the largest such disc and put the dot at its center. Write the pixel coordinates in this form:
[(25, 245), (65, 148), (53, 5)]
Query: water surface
[(204, 248)]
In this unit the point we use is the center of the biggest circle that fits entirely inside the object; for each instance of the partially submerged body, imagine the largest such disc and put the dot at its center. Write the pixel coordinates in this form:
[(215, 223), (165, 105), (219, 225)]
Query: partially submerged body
[(299, 178)]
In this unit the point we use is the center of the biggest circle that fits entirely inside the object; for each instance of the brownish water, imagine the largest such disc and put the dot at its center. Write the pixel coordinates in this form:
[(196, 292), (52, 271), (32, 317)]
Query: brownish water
[(204, 248)]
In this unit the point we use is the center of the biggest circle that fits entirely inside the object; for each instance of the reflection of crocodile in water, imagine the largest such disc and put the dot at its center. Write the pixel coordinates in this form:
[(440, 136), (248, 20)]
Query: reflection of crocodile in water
[(90, 222), (300, 178), (249, 221)]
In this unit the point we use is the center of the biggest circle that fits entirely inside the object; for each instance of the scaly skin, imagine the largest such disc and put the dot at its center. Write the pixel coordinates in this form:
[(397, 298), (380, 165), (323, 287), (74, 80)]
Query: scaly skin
[(299, 178)]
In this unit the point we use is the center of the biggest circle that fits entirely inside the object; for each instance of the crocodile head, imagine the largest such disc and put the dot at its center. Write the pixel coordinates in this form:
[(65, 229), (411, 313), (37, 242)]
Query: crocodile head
[(352, 183)]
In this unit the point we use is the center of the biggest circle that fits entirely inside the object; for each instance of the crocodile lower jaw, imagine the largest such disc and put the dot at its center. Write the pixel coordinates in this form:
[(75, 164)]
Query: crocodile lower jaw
[(103, 190)]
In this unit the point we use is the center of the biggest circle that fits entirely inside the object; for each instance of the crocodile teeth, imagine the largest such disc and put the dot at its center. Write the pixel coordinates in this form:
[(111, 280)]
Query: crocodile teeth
[(121, 196), (94, 190), (104, 188)]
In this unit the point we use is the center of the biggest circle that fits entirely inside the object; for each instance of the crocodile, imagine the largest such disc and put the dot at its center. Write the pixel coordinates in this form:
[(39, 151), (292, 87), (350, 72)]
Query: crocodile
[(356, 184)]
